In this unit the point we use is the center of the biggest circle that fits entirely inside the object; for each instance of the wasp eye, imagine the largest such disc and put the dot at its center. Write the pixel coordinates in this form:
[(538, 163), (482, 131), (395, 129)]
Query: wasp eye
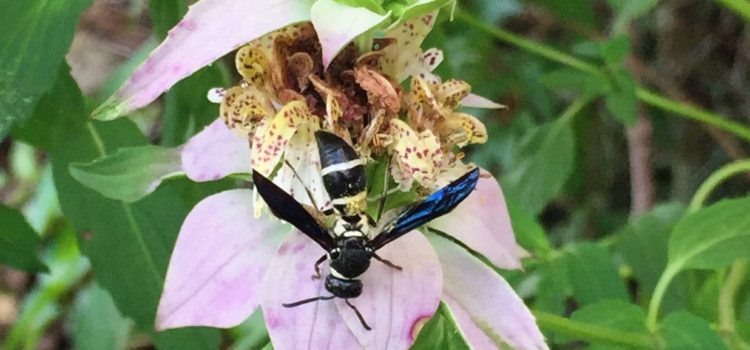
[(334, 254)]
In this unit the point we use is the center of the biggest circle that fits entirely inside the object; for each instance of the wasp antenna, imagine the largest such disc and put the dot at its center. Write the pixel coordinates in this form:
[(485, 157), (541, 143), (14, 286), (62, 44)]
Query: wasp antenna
[(317, 266), (301, 302), (307, 190), (386, 262), (359, 315), (384, 197)]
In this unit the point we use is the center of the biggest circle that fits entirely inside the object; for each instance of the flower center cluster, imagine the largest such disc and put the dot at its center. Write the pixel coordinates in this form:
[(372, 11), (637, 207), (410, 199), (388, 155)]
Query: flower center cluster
[(287, 93)]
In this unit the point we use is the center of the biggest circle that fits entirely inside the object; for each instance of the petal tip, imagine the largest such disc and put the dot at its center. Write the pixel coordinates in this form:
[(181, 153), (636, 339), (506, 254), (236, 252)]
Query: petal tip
[(476, 101)]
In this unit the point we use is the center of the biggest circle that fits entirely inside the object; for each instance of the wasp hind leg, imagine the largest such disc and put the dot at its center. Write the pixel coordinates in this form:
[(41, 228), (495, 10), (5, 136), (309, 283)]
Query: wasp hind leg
[(317, 266), (359, 315), (387, 263)]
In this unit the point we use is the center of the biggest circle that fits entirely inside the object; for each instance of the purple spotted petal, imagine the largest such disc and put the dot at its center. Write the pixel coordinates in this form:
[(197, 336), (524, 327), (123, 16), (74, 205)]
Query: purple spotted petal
[(210, 30), (218, 263), (215, 153), (476, 101), (338, 24), (397, 303), (482, 301), (482, 222), (311, 326)]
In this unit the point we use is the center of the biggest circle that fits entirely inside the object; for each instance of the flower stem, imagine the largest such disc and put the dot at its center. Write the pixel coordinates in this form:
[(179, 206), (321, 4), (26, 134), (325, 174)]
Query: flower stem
[(592, 333), (654, 99), (661, 288), (727, 294), (739, 269), (574, 108), (672, 270), (645, 95), (715, 179)]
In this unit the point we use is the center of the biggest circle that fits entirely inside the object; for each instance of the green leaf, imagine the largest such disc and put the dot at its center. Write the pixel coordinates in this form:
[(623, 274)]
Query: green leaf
[(187, 109), (592, 274), (165, 14), (567, 79), (712, 237), (621, 101), (34, 37), (130, 173), (97, 324), (643, 244), (529, 233), (128, 245), (554, 287), (541, 165), (615, 50), (613, 314), (18, 242), (251, 334), (685, 331), (441, 332)]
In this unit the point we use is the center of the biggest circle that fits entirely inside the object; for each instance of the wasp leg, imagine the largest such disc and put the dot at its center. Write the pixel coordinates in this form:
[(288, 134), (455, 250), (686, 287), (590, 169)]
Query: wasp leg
[(386, 262), (317, 266), (359, 315)]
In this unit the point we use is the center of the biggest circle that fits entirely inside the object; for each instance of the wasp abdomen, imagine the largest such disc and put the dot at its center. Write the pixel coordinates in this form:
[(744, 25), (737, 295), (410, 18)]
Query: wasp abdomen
[(342, 169)]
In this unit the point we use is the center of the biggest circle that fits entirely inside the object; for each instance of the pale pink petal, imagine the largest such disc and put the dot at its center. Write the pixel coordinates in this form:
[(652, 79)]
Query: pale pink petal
[(311, 326), (215, 153), (338, 24), (476, 101), (210, 30), (482, 222), (396, 304), (483, 301), (218, 263)]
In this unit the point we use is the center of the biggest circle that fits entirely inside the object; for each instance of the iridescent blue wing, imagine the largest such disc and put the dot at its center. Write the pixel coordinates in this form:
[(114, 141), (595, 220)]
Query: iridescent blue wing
[(286, 208), (437, 204)]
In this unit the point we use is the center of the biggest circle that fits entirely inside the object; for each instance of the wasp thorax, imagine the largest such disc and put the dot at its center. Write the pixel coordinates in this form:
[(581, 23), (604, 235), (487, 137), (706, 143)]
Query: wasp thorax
[(351, 257)]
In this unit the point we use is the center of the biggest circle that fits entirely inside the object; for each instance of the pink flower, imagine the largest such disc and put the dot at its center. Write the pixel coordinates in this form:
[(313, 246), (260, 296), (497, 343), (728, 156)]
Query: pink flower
[(229, 260), (226, 263)]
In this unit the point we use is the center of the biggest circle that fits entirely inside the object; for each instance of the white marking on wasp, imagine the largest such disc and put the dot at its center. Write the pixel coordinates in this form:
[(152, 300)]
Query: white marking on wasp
[(340, 276), (341, 166), (354, 234)]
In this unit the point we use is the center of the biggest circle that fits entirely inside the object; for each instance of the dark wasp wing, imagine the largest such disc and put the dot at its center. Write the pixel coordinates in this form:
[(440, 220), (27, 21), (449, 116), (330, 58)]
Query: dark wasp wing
[(437, 204), (286, 208)]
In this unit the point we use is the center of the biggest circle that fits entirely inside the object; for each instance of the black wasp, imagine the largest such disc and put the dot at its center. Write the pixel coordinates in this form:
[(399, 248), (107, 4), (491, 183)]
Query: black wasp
[(354, 237)]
